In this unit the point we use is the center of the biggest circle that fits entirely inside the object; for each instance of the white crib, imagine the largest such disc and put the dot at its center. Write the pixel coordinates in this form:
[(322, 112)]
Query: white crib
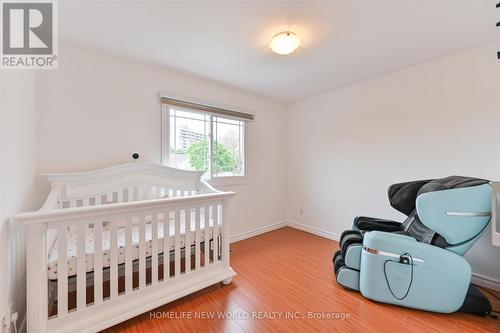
[(113, 243)]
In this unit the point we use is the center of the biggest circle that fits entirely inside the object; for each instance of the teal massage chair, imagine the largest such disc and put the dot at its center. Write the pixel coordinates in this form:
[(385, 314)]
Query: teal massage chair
[(419, 263)]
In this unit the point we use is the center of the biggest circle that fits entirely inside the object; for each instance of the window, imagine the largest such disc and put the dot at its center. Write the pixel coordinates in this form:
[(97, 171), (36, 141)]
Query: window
[(199, 140)]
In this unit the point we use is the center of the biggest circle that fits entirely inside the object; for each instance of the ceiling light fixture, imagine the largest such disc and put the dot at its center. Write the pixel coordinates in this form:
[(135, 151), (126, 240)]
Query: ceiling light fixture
[(284, 43)]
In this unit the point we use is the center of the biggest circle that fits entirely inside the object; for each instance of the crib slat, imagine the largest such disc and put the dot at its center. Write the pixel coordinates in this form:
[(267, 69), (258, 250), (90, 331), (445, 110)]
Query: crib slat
[(72, 203), (128, 256), (154, 250), (109, 198), (187, 239), (98, 200), (207, 235), (81, 286), (225, 248), (120, 195), (98, 262), (62, 271), (216, 233), (177, 257), (113, 258), (85, 202), (166, 246), (197, 238), (130, 195), (142, 253)]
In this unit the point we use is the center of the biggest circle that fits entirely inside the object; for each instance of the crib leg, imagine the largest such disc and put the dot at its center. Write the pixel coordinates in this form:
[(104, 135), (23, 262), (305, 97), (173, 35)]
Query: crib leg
[(36, 278), (225, 239)]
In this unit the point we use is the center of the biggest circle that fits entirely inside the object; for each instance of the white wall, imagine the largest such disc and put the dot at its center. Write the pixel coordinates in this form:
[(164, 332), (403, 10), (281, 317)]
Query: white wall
[(345, 147), (97, 109), (17, 180)]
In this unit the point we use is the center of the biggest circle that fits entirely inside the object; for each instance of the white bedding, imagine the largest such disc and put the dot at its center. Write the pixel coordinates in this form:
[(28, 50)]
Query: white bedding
[(89, 249)]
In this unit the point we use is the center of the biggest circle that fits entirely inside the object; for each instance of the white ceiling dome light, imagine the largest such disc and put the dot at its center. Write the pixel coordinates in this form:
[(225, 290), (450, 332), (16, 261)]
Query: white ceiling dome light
[(284, 43)]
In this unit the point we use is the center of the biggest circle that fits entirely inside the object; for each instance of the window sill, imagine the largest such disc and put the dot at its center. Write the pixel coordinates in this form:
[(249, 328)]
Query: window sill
[(227, 181)]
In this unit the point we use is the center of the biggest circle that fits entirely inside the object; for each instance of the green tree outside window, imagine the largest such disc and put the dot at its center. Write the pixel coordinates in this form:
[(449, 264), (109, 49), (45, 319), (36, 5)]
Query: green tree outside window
[(225, 160)]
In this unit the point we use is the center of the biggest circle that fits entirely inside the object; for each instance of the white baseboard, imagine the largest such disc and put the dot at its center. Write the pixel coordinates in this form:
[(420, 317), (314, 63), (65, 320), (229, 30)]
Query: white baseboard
[(313, 230), (486, 281), (479, 279), (256, 232), (278, 225)]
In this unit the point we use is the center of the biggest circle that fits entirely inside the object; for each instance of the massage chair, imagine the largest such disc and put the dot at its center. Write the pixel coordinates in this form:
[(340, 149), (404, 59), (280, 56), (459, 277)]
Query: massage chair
[(419, 263)]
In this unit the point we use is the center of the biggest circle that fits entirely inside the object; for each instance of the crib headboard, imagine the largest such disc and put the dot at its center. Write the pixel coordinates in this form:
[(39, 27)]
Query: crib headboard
[(124, 182)]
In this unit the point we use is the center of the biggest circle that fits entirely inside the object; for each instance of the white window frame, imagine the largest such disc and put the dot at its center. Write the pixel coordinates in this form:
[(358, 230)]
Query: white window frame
[(214, 180)]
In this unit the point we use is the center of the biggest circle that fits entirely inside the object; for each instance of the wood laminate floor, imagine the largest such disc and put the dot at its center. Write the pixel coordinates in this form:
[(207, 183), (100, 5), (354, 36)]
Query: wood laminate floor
[(284, 278)]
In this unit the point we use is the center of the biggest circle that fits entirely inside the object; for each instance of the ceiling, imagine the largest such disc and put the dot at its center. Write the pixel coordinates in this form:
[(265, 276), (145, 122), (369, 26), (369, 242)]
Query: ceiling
[(343, 42)]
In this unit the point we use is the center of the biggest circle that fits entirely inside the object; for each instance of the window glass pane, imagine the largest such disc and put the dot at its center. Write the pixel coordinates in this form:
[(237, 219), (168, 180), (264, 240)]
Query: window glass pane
[(190, 115), (189, 140), (229, 146)]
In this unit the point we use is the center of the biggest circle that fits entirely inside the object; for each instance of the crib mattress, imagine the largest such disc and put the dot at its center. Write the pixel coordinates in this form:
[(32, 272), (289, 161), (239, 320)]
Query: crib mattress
[(205, 232)]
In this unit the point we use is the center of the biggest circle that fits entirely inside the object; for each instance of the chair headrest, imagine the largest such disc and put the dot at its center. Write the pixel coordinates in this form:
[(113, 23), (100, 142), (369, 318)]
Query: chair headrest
[(402, 196), (451, 182)]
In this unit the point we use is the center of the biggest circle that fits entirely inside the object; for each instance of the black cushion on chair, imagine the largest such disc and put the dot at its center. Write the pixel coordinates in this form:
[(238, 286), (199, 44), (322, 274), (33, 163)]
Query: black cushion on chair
[(349, 240), (371, 223), (402, 196), (338, 261), (347, 232)]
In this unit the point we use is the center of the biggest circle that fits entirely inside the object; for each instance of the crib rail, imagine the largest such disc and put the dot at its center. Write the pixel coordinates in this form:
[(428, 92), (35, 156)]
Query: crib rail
[(45, 216), (60, 198), (195, 240), (123, 183), (128, 194)]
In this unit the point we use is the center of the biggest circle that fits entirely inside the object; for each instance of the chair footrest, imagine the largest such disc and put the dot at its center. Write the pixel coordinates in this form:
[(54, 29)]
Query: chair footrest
[(348, 278)]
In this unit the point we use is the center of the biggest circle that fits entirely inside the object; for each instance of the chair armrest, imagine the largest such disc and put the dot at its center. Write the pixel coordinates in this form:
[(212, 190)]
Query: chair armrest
[(371, 223), (436, 279)]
